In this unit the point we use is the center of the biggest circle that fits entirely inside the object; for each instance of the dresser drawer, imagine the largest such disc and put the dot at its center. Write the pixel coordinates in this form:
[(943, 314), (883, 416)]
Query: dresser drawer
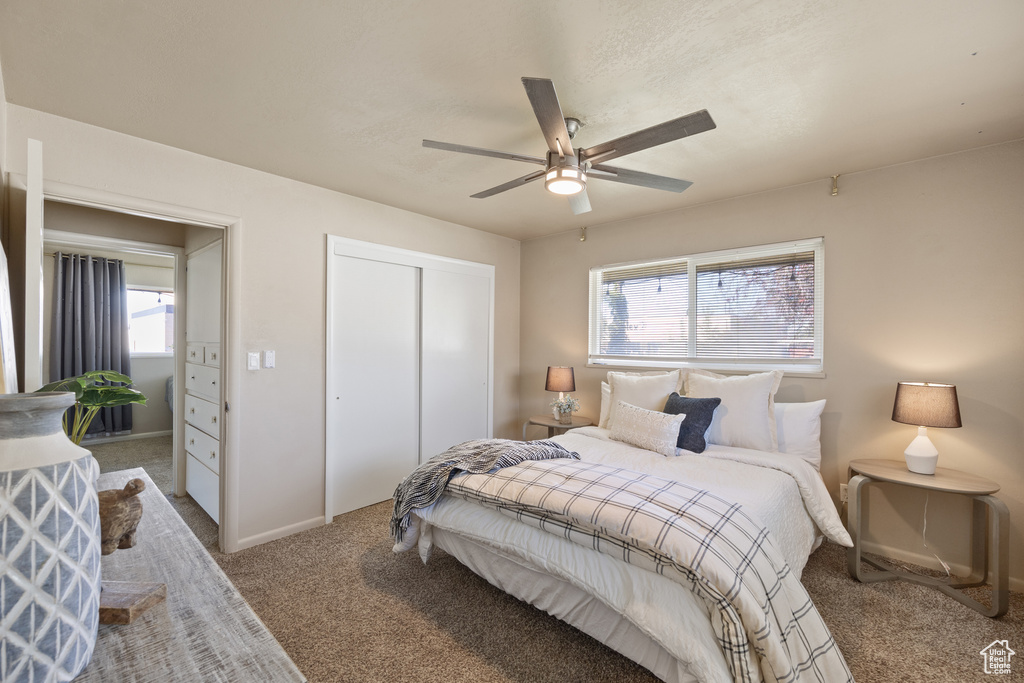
[(211, 354), (194, 353), (203, 448), (204, 486), (203, 414), (203, 380)]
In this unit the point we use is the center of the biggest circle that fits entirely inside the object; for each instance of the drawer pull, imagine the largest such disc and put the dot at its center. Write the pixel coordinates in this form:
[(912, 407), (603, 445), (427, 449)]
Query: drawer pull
[(213, 454), (191, 442), (192, 411), (213, 356), (213, 419), (193, 378)]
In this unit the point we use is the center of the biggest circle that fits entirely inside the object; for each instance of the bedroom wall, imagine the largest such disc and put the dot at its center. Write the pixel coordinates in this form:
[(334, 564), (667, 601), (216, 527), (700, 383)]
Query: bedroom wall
[(922, 282), (277, 295)]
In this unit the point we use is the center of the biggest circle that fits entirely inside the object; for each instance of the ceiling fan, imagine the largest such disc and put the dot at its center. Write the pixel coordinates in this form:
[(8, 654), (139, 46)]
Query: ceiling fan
[(566, 170)]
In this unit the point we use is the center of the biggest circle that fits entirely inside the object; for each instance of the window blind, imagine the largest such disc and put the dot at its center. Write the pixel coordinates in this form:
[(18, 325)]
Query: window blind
[(758, 307)]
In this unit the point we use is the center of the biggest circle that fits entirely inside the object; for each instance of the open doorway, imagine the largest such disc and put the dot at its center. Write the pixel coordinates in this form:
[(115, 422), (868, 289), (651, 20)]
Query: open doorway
[(153, 254)]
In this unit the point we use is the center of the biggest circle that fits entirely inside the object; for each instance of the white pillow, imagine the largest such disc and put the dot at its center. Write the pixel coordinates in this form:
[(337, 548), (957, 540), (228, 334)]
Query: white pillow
[(606, 404), (606, 391), (644, 391), (746, 417), (649, 429), (799, 426)]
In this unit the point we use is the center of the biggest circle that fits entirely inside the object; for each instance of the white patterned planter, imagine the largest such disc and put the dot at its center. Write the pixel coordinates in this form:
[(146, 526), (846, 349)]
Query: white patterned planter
[(49, 543)]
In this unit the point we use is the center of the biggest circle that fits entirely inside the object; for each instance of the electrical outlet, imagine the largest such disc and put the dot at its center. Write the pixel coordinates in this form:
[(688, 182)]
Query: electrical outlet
[(844, 494), (269, 359)]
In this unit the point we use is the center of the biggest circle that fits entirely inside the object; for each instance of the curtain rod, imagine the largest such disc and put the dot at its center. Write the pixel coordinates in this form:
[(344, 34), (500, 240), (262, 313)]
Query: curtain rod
[(126, 261)]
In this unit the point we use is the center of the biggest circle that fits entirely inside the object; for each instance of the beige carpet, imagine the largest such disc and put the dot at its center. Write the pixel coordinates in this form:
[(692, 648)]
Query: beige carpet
[(346, 608), (153, 455)]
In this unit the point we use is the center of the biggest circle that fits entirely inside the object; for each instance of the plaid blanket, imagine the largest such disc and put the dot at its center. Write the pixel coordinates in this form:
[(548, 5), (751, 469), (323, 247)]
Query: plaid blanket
[(426, 483), (762, 616)]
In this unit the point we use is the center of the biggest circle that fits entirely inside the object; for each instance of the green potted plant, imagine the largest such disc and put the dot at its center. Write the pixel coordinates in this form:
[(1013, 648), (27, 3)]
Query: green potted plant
[(93, 390)]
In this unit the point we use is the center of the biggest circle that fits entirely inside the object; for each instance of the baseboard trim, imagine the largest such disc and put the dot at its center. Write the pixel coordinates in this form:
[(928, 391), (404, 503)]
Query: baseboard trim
[(280, 532), (125, 437), (927, 561)]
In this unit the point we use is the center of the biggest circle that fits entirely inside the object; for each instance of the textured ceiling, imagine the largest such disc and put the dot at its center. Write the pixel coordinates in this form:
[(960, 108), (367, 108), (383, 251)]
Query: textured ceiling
[(340, 94)]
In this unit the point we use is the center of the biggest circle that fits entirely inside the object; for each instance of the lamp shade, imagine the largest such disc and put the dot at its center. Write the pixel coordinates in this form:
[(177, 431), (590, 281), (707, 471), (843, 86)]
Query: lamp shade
[(926, 404), (560, 379)]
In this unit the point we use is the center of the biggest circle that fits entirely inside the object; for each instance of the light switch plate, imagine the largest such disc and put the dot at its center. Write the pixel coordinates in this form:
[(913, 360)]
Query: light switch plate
[(253, 360), (269, 359)]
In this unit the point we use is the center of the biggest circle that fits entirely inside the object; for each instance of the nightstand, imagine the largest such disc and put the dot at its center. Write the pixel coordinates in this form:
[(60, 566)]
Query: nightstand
[(992, 527), (554, 426)]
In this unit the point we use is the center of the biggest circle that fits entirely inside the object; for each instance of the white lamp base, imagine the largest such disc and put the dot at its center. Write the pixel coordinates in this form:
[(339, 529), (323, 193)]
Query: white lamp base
[(921, 454)]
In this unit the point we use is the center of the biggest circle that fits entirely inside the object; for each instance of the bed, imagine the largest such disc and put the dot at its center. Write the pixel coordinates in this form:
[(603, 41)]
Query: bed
[(663, 624)]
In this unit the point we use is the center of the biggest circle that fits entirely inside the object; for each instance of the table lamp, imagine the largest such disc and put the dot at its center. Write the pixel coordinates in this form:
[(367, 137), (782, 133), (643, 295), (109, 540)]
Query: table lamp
[(925, 404), (560, 379)]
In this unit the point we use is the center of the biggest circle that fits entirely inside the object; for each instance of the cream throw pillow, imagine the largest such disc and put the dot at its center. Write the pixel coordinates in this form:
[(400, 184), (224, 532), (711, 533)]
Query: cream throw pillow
[(648, 429), (643, 391), (746, 417)]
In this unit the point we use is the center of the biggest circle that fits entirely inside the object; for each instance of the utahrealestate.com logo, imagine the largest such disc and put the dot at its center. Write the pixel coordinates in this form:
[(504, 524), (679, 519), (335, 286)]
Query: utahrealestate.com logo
[(997, 657)]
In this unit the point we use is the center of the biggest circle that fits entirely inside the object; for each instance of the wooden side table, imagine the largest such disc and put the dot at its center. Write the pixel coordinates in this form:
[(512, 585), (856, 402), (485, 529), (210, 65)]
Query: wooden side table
[(992, 527), (554, 426)]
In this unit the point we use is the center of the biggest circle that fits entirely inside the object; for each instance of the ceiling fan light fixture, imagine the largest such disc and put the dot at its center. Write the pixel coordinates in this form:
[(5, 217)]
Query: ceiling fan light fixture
[(565, 180)]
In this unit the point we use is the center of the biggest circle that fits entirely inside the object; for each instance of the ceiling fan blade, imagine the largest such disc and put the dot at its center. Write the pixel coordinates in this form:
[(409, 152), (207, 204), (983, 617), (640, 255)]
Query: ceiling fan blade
[(691, 124), (541, 92), (579, 202), (624, 175), (529, 177), (479, 151)]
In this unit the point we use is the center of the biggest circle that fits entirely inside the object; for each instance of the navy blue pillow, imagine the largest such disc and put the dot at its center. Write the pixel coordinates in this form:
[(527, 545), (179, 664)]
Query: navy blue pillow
[(699, 413)]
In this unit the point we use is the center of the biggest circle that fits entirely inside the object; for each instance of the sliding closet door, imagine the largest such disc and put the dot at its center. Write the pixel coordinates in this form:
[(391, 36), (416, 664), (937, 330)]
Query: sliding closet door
[(409, 365), (374, 413), (456, 351)]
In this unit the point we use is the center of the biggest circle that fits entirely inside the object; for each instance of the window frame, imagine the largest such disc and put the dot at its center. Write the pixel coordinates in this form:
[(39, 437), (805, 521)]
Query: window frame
[(811, 367)]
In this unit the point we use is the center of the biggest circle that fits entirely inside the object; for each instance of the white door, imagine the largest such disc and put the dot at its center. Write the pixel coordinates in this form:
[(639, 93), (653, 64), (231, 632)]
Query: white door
[(203, 279), (456, 360), (373, 415)]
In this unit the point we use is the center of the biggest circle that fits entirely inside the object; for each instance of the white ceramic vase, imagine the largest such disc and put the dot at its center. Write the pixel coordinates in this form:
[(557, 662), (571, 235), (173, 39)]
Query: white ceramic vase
[(49, 542)]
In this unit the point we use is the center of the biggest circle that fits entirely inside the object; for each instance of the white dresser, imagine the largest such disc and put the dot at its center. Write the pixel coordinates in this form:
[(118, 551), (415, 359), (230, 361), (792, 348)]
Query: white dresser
[(203, 396)]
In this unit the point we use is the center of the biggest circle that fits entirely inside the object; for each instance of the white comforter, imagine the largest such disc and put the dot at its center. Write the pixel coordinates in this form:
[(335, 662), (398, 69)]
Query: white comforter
[(783, 491)]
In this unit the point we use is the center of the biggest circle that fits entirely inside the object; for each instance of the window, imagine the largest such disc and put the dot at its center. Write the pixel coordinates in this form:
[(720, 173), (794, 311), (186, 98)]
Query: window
[(746, 309), (150, 321)]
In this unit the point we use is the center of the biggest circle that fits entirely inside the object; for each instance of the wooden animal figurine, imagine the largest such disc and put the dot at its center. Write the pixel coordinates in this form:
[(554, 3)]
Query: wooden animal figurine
[(120, 512)]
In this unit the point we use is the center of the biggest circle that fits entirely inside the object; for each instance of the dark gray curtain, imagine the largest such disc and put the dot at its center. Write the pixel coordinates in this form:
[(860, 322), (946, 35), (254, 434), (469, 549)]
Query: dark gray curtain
[(90, 327)]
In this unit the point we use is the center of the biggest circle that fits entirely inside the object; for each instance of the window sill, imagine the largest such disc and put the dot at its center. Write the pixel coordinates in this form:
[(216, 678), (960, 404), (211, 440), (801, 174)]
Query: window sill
[(151, 354), (812, 372)]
